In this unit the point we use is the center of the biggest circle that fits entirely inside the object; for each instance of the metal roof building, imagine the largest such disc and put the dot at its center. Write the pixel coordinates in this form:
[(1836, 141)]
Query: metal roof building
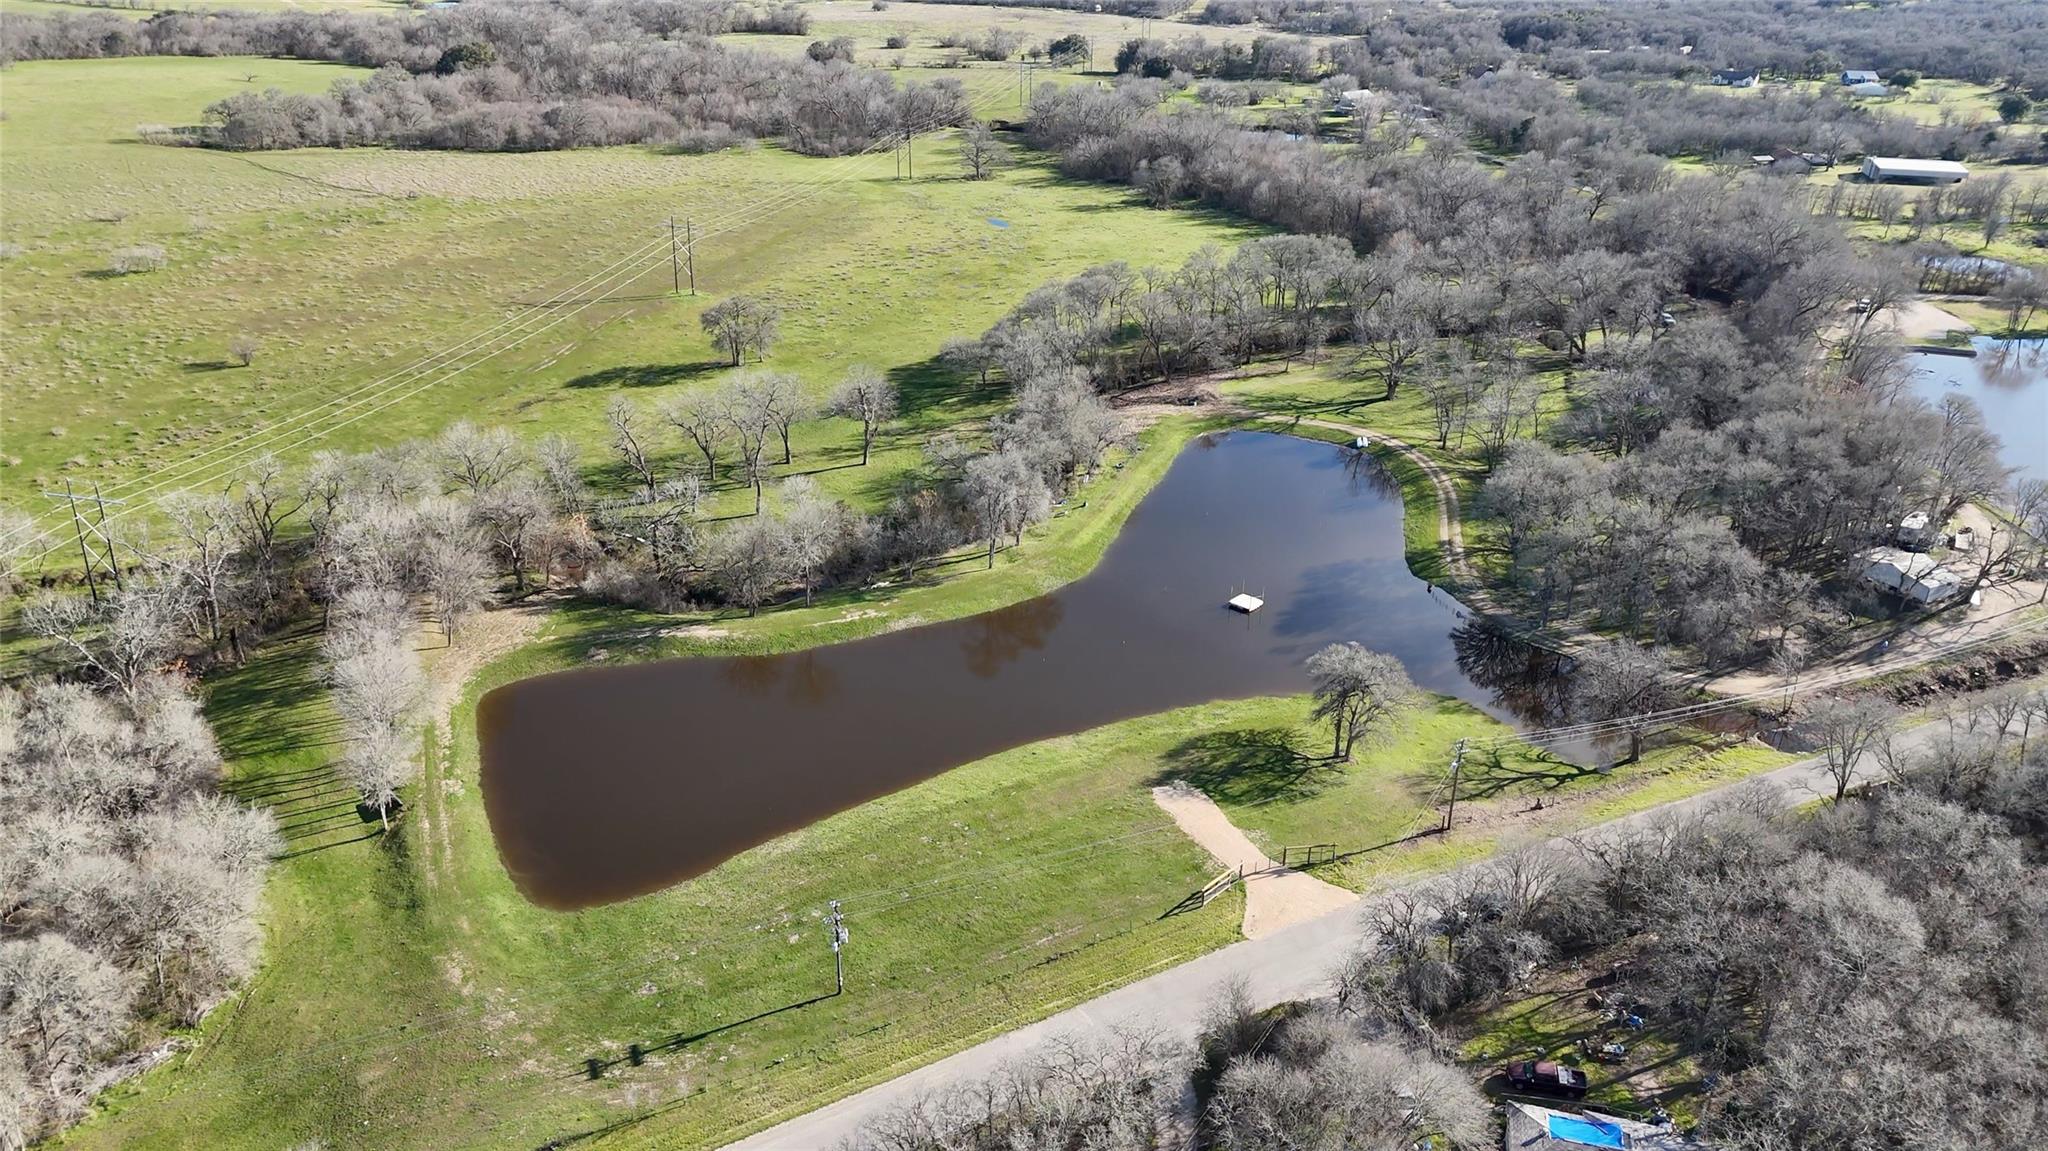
[(1900, 170), (1911, 575)]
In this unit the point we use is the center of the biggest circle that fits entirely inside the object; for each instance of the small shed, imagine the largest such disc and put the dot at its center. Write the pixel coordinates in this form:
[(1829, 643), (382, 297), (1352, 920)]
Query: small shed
[(1901, 170), (1914, 531), (1911, 576), (1858, 76)]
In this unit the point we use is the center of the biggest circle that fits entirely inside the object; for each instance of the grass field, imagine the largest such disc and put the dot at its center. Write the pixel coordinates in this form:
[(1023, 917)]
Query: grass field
[(409, 996), (344, 265)]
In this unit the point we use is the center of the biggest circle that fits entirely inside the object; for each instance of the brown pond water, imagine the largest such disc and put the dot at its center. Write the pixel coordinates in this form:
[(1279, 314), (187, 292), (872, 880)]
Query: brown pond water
[(607, 782)]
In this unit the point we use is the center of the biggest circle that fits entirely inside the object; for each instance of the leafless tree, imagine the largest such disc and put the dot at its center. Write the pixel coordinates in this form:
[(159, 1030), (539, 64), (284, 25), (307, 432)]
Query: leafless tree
[(458, 582), (812, 527), (1356, 688), (981, 153), (378, 689), (783, 403), (63, 1006), (1006, 495), (204, 558), (700, 417), (867, 396), (630, 441), (742, 325), (747, 405), (478, 459), (124, 640), (1847, 729), (243, 348), (1621, 684)]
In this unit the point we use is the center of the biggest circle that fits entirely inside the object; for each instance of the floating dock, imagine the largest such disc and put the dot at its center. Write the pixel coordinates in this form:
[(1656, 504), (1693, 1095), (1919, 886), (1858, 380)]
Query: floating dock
[(1246, 603)]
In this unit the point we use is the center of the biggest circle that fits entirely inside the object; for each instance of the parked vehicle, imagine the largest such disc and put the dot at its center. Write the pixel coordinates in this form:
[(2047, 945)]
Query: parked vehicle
[(1546, 1076)]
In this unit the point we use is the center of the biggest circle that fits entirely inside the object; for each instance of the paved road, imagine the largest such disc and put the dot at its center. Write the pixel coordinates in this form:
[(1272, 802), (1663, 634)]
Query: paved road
[(1294, 963)]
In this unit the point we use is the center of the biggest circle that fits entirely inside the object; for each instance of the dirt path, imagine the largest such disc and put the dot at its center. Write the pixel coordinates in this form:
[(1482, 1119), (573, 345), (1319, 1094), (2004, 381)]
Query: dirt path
[(1917, 321), (1275, 897), (2005, 609), (449, 667)]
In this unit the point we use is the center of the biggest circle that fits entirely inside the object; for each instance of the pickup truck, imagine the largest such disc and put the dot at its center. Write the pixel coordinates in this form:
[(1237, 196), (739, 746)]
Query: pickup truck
[(1547, 1077)]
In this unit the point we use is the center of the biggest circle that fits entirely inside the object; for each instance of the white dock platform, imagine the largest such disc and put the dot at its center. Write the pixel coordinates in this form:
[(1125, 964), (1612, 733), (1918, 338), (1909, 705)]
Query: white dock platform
[(1246, 603)]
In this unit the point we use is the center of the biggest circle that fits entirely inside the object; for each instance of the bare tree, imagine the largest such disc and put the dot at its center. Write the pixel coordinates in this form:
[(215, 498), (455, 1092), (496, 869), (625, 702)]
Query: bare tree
[(478, 459), (204, 558), (981, 153), (752, 558), (62, 1006), (700, 416), (1007, 495), (867, 396), (783, 404), (243, 348), (630, 441), (812, 526), (1356, 688), (747, 404), (1847, 728), (740, 325), (378, 690), (1621, 684), (124, 640), (458, 581)]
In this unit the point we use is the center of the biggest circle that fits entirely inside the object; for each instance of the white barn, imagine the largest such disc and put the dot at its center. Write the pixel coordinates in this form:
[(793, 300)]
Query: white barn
[(1899, 170)]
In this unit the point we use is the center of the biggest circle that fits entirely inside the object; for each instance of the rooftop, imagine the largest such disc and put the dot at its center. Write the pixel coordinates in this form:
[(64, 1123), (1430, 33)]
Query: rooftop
[(1533, 1128)]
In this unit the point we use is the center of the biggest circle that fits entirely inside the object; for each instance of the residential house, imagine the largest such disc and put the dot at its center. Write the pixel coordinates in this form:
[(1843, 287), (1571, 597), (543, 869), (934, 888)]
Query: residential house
[(1533, 1128), (1858, 76), (1736, 78)]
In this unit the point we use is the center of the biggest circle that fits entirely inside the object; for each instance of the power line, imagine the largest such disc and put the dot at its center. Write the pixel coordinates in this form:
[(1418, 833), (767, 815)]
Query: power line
[(634, 263)]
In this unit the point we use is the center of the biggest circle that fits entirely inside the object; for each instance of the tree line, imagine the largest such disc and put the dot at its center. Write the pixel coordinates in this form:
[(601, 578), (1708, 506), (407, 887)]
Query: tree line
[(506, 76), (1866, 977)]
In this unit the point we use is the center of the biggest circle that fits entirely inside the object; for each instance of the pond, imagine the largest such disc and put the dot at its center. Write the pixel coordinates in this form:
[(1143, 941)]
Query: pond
[(603, 783), (2009, 381)]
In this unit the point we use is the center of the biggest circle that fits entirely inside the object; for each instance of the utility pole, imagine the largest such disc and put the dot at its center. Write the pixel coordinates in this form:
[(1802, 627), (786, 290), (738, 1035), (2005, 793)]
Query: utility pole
[(836, 924), (675, 259), (100, 529), (1457, 763), (84, 556), (690, 251), (910, 154)]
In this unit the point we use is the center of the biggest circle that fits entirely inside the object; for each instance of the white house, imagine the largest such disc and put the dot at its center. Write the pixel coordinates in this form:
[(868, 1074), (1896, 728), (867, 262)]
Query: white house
[(1911, 576), (1899, 170), (1736, 78)]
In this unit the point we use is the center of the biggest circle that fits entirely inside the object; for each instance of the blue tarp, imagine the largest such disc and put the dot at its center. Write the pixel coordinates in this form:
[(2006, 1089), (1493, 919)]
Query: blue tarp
[(1586, 1131)]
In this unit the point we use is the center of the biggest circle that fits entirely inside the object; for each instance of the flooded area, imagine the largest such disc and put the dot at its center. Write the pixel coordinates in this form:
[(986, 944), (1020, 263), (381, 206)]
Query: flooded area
[(607, 782), (2009, 381)]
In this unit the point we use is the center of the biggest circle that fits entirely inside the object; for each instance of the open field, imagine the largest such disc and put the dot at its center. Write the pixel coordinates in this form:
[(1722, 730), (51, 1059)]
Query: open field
[(344, 265)]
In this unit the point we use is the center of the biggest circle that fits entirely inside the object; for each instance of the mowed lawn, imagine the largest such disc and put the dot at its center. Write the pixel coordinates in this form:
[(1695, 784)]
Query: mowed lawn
[(363, 272)]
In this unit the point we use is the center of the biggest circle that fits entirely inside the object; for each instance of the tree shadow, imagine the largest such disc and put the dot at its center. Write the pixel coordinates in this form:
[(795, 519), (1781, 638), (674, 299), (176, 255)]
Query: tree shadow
[(196, 366), (645, 375), (1488, 773), (932, 394), (1255, 765)]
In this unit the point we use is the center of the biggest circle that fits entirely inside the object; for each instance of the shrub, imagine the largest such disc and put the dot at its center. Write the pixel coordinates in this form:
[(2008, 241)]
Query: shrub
[(898, 40), (140, 258), (244, 348)]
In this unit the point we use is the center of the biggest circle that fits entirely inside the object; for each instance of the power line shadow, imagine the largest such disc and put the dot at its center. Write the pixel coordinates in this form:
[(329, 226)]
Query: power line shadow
[(595, 1068)]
